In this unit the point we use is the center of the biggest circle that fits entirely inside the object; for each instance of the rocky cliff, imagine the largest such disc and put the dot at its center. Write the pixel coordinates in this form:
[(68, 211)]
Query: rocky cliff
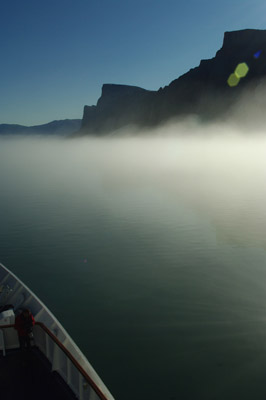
[(203, 91), (119, 105)]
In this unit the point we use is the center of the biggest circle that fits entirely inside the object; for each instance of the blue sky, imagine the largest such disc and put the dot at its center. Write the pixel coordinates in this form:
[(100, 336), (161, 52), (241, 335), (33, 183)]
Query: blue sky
[(56, 54)]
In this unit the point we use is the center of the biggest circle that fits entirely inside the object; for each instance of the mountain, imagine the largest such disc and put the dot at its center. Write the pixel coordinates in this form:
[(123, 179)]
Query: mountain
[(64, 127), (209, 91), (118, 106)]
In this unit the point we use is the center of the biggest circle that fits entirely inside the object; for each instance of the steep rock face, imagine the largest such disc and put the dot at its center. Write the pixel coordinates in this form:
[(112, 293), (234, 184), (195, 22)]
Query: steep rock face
[(202, 91), (119, 105)]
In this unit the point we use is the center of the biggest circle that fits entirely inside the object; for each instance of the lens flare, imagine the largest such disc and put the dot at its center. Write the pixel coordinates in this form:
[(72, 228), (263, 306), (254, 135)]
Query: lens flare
[(257, 54), (241, 70), (233, 80)]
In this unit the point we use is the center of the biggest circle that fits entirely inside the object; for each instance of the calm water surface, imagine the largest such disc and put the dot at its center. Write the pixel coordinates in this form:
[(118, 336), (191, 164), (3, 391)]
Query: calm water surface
[(151, 252)]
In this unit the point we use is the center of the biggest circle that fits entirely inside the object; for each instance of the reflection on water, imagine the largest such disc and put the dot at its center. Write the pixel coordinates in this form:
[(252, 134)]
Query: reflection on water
[(172, 293)]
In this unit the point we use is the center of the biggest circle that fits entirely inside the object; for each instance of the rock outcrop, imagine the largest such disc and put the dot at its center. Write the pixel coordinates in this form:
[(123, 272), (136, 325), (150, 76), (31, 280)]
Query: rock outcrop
[(203, 91), (119, 105)]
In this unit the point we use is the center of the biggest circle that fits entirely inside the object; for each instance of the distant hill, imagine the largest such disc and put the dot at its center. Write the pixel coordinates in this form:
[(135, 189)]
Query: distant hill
[(64, 127), (203, 91)]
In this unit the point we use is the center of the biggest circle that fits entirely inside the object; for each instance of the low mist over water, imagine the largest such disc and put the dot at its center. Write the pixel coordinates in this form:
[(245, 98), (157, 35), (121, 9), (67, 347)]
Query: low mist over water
[(150, 250)]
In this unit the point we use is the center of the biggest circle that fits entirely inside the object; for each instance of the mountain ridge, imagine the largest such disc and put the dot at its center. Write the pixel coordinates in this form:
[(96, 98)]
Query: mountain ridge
[(63, 127), (202, 91)]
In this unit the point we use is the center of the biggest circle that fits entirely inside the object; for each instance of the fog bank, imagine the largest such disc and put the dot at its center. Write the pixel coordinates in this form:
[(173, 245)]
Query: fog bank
[(217, 173)]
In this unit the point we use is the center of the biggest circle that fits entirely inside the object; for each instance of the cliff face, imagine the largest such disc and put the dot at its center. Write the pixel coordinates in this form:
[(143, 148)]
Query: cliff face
[(202, 91), (119, 105)]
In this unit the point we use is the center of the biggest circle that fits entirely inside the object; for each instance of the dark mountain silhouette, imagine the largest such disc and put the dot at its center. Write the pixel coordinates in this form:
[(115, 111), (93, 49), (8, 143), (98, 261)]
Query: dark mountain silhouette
[(64, 127), (203, 91)]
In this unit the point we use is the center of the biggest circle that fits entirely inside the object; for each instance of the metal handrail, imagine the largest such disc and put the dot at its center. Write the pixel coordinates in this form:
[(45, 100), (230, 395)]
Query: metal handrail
[(69, 355)]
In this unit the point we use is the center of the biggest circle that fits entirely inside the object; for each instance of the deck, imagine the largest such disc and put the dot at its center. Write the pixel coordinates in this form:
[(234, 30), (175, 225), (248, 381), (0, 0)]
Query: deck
[(26, 374)]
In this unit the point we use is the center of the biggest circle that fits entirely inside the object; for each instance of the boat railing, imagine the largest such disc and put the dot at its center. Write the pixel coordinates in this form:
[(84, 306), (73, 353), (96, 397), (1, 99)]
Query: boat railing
[(61, 360)]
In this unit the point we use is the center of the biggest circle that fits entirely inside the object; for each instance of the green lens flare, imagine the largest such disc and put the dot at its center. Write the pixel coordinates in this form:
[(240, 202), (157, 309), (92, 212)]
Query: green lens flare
[(233, 80), (241, 70)]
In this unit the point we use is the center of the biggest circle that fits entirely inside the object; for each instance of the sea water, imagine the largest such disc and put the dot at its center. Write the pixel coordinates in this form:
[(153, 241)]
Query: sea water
[(150, 251)]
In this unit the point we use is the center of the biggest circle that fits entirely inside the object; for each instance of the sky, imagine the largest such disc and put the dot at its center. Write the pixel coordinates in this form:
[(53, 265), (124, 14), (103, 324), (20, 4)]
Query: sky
[(57, 54)]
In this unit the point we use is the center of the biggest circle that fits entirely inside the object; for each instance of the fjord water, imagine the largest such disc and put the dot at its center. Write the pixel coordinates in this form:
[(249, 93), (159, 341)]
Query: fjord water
[(152, 254)]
